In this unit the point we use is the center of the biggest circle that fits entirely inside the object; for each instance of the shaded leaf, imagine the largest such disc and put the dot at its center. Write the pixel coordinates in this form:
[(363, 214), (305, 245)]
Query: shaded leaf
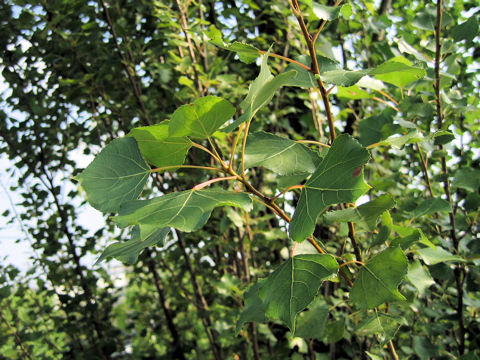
[(467, 30), (430, 206), (378, 279), (158, 148), (260, 92), (279, 154), (116, 175), (293, 285), (254, 308), (128, 251), (375, 128), (184, 210), (438, 255), (338, 179), (443, 137), (468, 179), (419, 277), (202, 118), (384, 325), (365, 215), (312, 324), (353, 93)]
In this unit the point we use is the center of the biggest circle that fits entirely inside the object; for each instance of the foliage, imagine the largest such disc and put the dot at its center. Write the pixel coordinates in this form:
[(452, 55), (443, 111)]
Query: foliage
[(291, 180)]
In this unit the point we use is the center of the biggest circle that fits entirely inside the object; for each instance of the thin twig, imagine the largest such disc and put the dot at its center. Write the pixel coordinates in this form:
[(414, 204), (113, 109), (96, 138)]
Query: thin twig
[(263, 52)]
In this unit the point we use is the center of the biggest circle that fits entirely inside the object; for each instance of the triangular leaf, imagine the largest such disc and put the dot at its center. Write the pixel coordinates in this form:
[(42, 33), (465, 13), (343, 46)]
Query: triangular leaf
[(185, 210), (419, 277), (467, 30), (260, 92), (279, 154), (293, 285), (202, 118), (128, 251), (338, 179), (398, 141), (378, 279), (158, 148), (116, 175)]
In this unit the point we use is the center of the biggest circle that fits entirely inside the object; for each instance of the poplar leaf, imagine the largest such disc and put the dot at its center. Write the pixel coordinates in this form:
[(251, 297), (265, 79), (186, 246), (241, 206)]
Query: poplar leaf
[(260, 92), (202, 118), (279, 154), (338, 179), (158, 148), (185, 210), (128, 251), (293, 285), (116, 175), (379, 278)]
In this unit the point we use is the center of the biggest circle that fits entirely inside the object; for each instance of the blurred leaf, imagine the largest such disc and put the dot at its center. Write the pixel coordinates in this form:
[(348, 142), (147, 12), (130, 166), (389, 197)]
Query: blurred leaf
[(419, 277), (312, 324), (438, 255), (467, 30), (254, 308), (430, 206), (468, 179), (128, 251), (398, 71)]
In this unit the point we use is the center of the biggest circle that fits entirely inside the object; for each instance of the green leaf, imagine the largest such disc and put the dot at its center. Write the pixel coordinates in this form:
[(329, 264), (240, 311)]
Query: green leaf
[(406, 241), (247, 53), (468, 179), (424, 348), (202, 118), (312, 324), (128, 251), (353, 93), (116, 175), (365, 215), (443, 137), (343, 77), (254, 308), (375, 128), (427, 19), (158, 148), (323, 12), (335, 331), (384, 325), (419, 277), (438, 255), (260, 92), (293, 285), (430, 206), (466, 31), (398, 141), (378, 279), (279, 154), (185, 210), (338, 179), (398, 71)]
